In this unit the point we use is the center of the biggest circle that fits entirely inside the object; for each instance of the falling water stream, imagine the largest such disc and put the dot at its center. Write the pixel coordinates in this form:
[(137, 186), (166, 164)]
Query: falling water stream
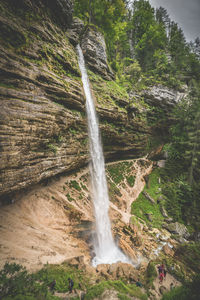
[(106, 250)]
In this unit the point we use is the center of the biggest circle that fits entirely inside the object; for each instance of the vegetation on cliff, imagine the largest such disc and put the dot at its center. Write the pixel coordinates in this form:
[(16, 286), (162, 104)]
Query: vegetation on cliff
[(144, 48)]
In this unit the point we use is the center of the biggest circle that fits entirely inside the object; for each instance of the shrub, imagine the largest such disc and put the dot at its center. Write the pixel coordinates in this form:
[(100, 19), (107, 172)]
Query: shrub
[(74, 184)]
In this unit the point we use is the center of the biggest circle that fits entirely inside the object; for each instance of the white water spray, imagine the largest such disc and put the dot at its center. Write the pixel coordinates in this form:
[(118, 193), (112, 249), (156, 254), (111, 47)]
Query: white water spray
[(105, 249)]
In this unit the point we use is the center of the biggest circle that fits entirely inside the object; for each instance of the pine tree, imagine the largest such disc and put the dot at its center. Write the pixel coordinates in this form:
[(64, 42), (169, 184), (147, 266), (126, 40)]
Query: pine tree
[(192, 144)]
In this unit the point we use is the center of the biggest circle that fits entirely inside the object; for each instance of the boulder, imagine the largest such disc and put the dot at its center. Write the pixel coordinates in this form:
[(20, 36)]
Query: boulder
[(163, 211), (102, 269), (77, 261), (161, 163), (168, 220), (177, 228), (162, 289), (168, 251), (162, 96), (109, 294), (149, 216), (149, 197)]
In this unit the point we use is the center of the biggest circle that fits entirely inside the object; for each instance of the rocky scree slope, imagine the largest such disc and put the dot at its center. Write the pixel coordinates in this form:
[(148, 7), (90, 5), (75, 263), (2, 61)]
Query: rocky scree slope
[(43, 128)]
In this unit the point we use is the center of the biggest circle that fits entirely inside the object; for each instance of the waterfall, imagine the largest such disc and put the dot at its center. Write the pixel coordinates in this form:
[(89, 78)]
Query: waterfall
[(105, 248)]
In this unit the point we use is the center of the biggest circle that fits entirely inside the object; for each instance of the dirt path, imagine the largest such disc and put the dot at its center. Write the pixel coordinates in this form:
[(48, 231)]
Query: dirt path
[(165, 286)]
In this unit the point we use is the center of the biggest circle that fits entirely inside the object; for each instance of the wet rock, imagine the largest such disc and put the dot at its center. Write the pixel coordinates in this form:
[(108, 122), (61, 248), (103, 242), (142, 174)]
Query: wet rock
[(94, 50), (75, 31), (113, 270), (102, 269)]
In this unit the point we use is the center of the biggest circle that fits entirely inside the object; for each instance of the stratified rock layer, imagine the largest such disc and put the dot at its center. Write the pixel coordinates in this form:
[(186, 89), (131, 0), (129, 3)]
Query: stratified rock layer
[(94, 50), (43, 128)]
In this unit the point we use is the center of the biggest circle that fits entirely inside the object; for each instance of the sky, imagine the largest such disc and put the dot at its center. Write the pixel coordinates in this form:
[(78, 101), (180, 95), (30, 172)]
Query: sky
[(184, 12)]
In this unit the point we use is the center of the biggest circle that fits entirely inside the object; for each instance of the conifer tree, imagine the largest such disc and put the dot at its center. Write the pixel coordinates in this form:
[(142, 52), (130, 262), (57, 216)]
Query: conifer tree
[(192, 144)]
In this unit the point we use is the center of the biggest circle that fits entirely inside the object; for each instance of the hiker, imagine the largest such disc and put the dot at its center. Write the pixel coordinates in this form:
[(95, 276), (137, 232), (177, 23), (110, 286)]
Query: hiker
[(161, 277), (52, 286), (139, 284), (159, 269), (71, 284)]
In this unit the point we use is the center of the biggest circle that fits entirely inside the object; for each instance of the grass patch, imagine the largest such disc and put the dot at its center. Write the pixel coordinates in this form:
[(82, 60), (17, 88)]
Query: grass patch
[(108, 93), (61, 273), (124, 290), (74, 184), (117, 171), (150, 275), (143, 206), (131, 180), (69, 197)]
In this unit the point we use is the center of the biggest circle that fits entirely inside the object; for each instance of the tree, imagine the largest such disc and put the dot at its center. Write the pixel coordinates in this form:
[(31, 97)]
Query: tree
[(108, 15), (152, 40), (162, 17), (142, 18), (192, 144), (177, 45)]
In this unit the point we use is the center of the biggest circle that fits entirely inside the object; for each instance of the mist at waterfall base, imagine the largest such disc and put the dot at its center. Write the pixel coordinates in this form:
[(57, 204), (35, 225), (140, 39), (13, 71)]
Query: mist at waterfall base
[(106, 250)]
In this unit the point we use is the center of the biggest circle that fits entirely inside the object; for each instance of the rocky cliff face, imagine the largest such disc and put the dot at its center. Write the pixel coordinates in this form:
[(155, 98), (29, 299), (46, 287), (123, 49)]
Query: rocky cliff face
[(43, 128)]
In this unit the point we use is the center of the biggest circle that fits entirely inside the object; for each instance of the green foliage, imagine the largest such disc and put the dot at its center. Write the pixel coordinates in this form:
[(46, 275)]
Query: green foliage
[(151, 274), (177, 294), (15, 283), (190, 290), (52, 148), (107, 92), (61, 273), (124, 289), (115, 173), (108, 16), (131, 180), (69, 197), (74, 184), (142, 205), (97, 290), (178, 197), (123, 297), (189, 254)]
